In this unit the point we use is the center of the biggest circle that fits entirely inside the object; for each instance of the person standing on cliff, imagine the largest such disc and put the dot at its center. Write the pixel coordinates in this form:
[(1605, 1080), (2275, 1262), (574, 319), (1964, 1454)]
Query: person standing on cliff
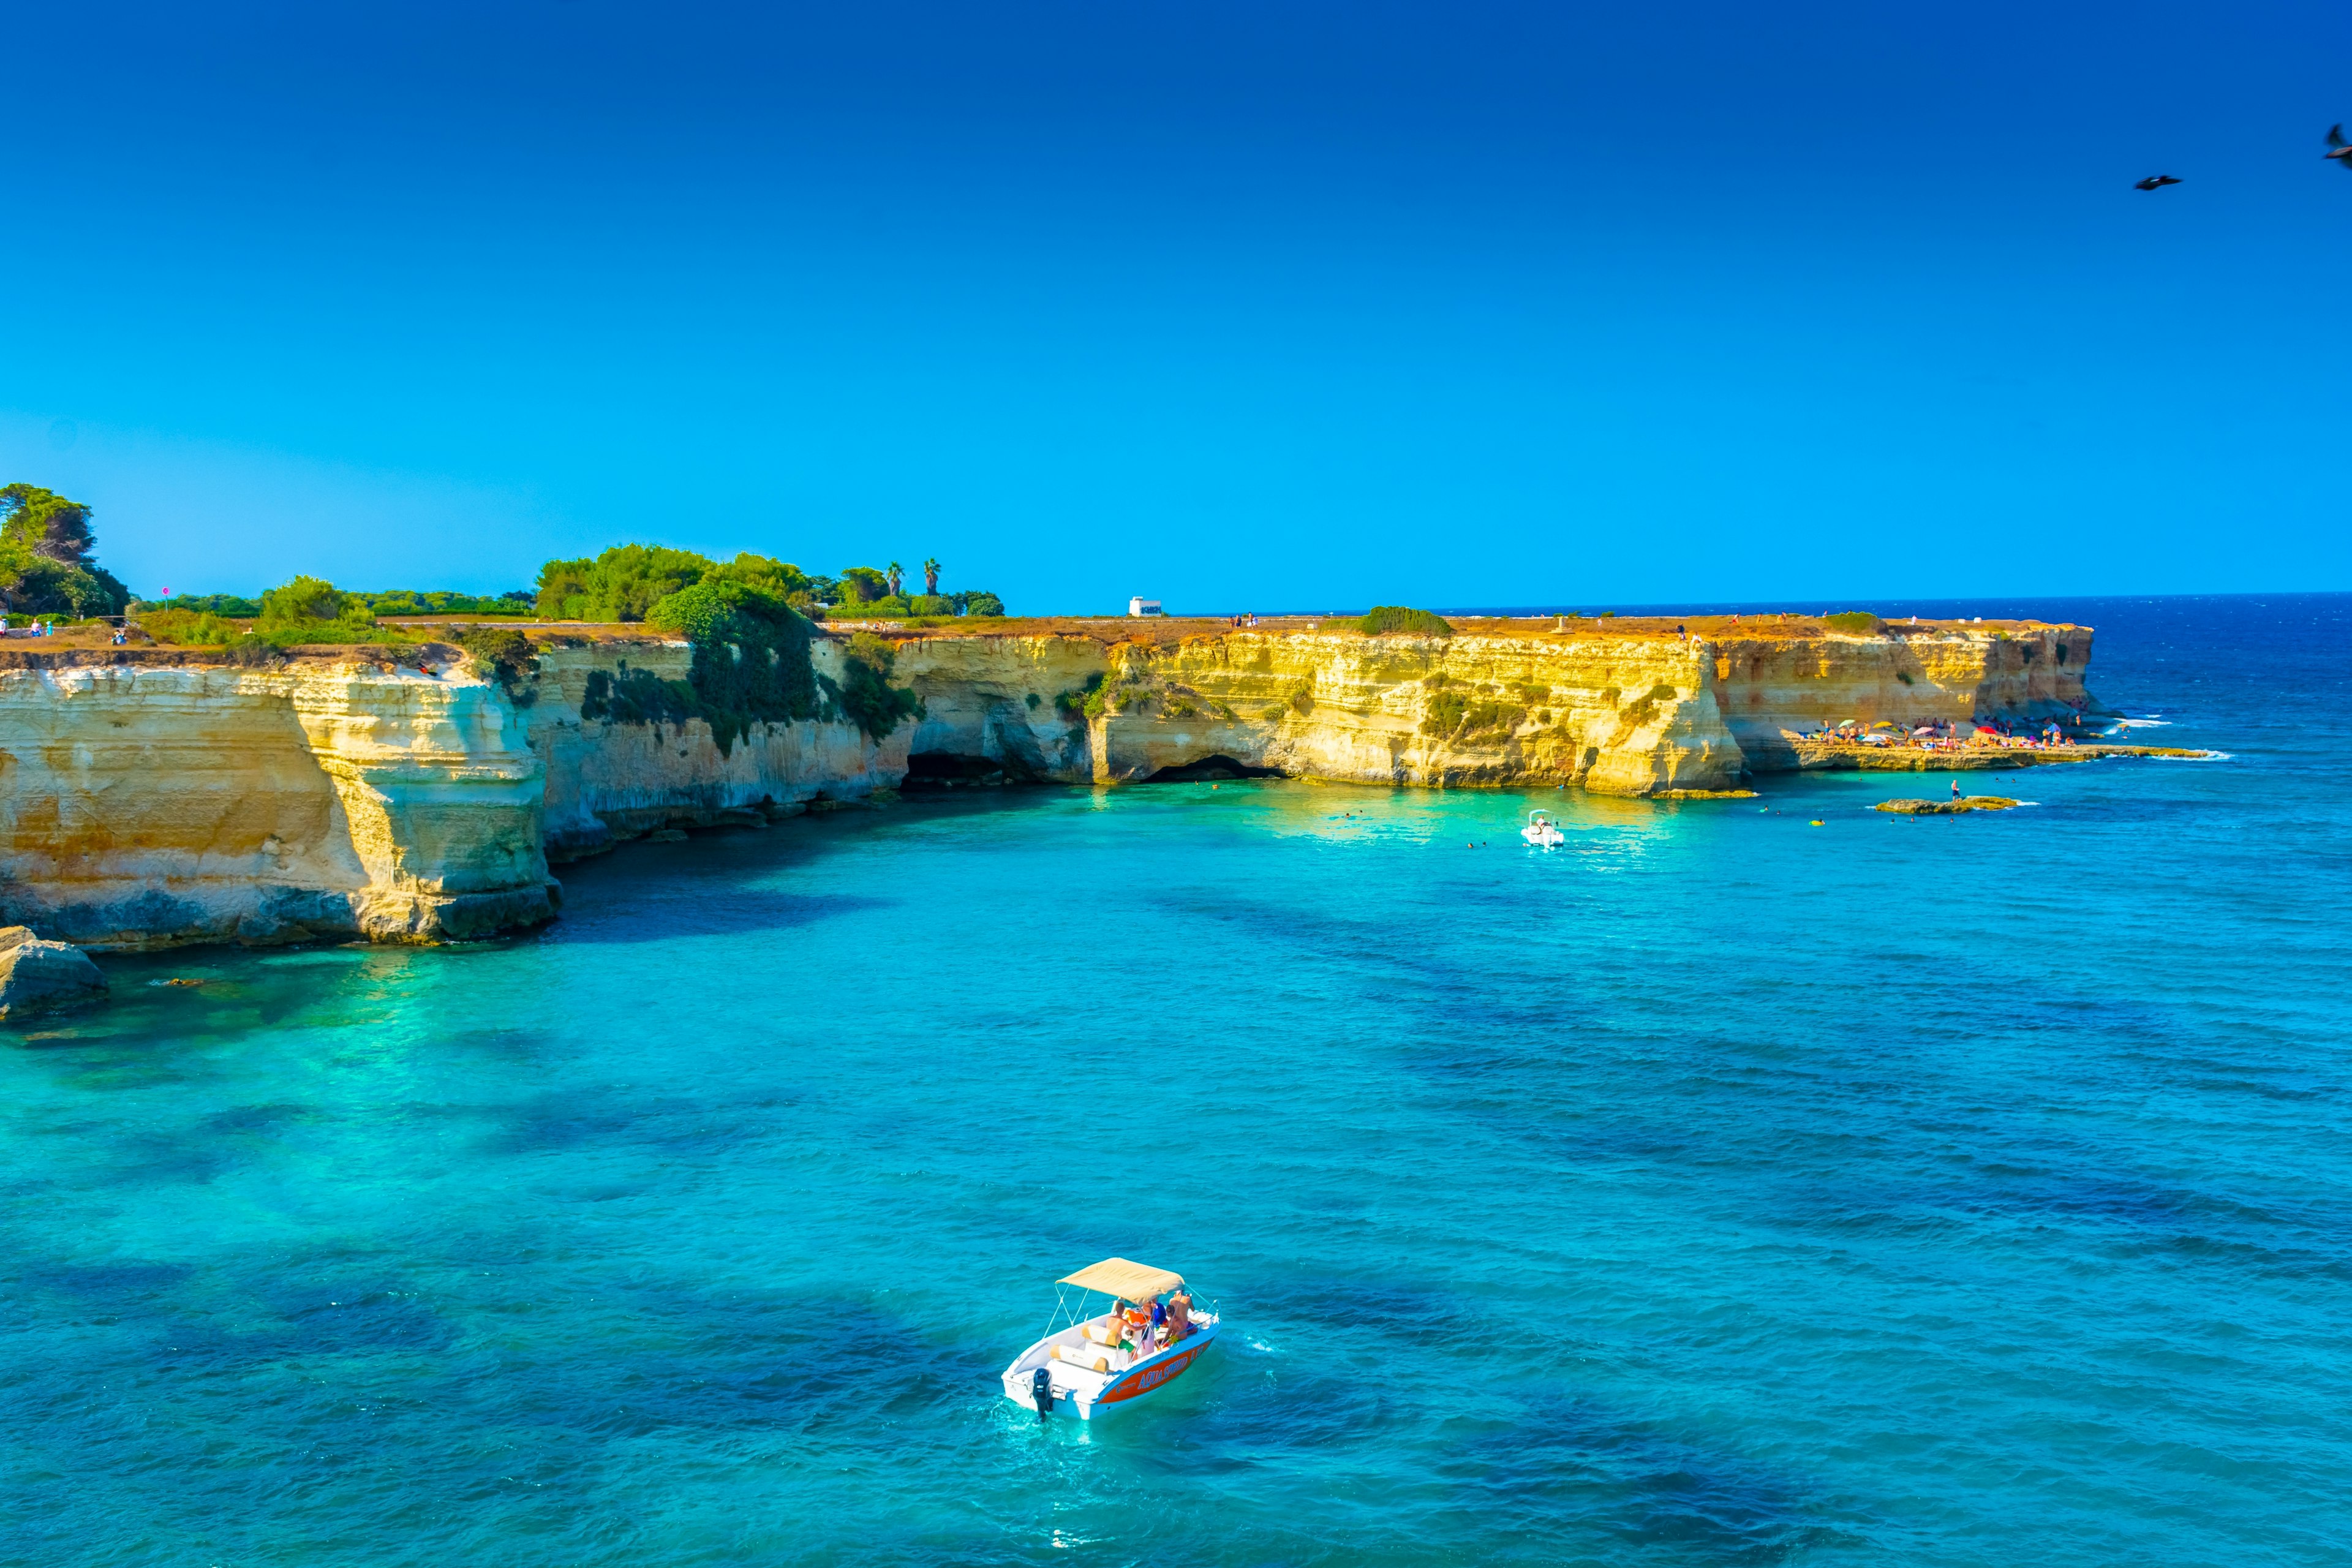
[(1955, 789)]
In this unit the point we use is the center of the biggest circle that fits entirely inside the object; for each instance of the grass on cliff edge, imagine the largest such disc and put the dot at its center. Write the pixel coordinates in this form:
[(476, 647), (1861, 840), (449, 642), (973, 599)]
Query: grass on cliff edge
[(1398, 618)]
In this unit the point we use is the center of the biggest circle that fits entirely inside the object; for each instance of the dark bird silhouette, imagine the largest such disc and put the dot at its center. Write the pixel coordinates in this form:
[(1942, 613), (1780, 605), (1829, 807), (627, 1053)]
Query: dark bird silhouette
[(2155, 183), (2337, 148)]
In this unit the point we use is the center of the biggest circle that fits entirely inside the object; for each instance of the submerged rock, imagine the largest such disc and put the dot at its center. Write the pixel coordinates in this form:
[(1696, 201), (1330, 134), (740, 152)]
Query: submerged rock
[(1947, 807), (38, 976)]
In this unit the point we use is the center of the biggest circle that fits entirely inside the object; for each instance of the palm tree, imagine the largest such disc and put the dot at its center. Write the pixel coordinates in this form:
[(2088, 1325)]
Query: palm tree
[(895, 573), (931, 576)]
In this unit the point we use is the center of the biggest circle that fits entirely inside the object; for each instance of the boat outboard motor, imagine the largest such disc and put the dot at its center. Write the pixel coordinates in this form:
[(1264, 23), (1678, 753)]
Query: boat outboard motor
[(1041, 1389)]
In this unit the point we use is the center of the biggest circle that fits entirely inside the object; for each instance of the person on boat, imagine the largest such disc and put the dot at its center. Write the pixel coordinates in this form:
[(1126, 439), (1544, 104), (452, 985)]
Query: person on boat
[(1159, 1320), (1180, 1314)]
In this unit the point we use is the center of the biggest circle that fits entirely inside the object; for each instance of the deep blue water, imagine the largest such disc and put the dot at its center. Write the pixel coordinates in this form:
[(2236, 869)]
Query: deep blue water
[(1721, 1189)]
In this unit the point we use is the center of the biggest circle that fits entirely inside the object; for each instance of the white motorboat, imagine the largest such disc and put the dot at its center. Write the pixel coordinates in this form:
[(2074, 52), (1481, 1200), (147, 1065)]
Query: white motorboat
[(1542, 831), (1094, 1365)]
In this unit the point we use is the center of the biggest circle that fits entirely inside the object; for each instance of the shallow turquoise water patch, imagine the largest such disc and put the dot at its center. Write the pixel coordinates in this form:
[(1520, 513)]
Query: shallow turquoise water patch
[(1714, 1189)]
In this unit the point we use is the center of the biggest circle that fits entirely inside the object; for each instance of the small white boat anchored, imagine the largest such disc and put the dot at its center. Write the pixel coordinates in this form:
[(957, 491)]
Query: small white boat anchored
[(1542, 831), (1094, 1366)]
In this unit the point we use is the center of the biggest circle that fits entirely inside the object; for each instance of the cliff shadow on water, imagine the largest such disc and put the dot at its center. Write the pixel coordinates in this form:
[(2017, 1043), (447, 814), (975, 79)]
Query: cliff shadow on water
[(716, 881), (1213, 767), (159, 801)]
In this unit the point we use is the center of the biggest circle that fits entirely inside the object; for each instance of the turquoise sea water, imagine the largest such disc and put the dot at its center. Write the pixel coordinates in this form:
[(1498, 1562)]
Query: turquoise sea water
[(1720, 1189)]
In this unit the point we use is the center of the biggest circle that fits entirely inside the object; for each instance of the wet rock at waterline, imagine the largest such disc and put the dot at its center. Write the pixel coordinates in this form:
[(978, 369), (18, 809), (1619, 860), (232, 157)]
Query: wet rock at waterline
[(38, 976), (1947, 807)]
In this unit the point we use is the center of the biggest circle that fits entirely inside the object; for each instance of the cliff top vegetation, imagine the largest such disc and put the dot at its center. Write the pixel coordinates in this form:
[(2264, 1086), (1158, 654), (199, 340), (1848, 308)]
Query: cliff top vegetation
[(49, 564), (751, 665), (413, 602), (625, 583), (1385, 618)]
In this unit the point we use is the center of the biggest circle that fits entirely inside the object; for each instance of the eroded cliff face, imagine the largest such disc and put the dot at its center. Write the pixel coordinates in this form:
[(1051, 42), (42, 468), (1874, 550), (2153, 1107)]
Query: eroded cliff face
[(1622, 715), (149, 802), (1774, 687), (995, 697), (608, 780), (145, 805)]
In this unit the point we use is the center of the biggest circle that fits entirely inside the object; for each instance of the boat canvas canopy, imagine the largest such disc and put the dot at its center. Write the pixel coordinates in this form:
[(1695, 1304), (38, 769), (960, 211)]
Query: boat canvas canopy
[(1118, 1277)]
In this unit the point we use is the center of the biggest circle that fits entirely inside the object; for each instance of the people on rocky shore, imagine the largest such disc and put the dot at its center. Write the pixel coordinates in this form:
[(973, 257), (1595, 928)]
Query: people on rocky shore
[(1948, 737)]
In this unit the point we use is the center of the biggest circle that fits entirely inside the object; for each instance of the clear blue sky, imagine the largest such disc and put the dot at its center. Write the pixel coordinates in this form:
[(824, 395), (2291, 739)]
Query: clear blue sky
[(1244, 305)]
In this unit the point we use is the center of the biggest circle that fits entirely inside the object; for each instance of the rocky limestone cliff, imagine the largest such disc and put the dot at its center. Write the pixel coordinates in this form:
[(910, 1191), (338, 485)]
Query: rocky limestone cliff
[(142, 804), (145, 805), (608, 780), (1620, 714), (1776, 687), (148, 799)]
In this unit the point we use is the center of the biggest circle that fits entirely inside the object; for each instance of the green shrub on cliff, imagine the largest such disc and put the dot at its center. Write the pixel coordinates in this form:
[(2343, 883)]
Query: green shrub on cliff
[(749, 665), (1450, 714), (865, 695), (417, 602), (626, 581), (300, 602), (502, 653), (186, 627), (1398, 618), (638, 697), (1858, 622), (253, 649), (230, 604), (1080, 701), (313, 610), (1493, 717), (620, 584)]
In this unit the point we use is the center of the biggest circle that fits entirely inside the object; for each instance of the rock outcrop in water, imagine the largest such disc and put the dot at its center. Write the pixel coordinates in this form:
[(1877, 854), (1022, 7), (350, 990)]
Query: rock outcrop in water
[(1953, 807), (38, 976), (149, 798)]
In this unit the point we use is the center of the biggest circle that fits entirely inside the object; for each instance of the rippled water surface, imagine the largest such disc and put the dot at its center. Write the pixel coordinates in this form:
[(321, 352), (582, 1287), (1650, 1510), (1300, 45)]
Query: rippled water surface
[(1720, 1189)]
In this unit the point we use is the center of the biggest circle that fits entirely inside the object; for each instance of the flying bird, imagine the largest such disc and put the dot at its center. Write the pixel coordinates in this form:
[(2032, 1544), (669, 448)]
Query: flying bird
[(2155, 183), (2337, 148)]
